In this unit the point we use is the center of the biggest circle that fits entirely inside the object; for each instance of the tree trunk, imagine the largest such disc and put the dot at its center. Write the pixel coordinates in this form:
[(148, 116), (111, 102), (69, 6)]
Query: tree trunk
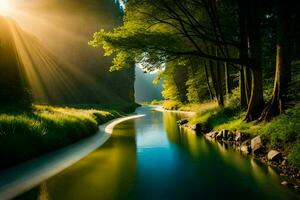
[(283, 65), (256, 103), (248, 83), (207, 81), (242, 89), (245, 89), (220, 86), (227, 79), (213, 77)]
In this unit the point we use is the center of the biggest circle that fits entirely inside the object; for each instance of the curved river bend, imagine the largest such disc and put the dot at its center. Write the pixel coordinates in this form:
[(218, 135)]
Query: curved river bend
[(151, 158)]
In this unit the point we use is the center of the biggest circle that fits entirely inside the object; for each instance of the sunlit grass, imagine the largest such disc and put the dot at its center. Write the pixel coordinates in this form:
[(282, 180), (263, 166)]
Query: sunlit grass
[(195, 107), (283, 132), (45, 128)]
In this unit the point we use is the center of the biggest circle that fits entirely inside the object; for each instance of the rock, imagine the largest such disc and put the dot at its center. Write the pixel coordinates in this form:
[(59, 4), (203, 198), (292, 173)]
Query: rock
[(245, 149), (256, 144), (274, 155), (225, 134), (193, 127), (182, 122), (297, 187), (230, 136), (283, 162), (198, 128), (219, 136), (212, 134), (285, 183), (239, 137)]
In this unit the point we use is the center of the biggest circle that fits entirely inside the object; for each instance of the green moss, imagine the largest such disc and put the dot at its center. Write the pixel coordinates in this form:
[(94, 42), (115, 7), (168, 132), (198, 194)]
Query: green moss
[(45, 128)]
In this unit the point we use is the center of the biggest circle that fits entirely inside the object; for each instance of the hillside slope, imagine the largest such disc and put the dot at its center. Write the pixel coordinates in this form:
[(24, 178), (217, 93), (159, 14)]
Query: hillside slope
[(64, 69)]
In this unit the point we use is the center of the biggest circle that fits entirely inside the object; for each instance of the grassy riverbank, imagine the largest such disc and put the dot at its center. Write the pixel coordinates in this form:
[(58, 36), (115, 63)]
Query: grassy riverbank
[(281, 133), (30, 133)]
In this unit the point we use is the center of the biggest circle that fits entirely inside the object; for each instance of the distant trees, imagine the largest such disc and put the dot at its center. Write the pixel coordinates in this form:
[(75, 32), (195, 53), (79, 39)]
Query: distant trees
[(224, 37)]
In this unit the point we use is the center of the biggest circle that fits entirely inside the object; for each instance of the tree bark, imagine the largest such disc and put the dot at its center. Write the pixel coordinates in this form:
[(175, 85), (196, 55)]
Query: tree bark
[(220, 85), (213, 77), (256, 103), (243, 99), (227, 79), (207, 81), (245, 89), (248, 83)]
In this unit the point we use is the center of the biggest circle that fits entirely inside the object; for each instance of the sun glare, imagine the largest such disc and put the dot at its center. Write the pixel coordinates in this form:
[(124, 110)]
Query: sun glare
[(5, 7)]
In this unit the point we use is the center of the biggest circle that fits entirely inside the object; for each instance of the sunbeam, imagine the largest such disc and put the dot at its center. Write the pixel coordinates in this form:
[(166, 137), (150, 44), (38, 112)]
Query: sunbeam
[(6, 7), (50, 38)]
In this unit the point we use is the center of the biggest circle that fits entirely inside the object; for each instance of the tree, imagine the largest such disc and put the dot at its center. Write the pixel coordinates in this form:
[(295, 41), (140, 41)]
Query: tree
[(277, 103), (222, 34), (250, 14)]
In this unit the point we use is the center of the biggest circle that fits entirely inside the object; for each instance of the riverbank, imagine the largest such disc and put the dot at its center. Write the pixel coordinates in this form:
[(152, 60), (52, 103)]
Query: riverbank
[(30, 133), (35, 171), (276, 143)]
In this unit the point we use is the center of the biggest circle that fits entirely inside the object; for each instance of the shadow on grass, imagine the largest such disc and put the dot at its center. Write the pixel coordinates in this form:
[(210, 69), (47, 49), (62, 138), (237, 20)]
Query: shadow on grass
[(224, 115)]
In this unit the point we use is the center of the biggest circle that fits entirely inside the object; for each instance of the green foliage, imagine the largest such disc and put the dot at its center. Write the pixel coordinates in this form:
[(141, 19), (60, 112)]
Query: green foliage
[(193, 107), (175, 77), (284, 133), (157, 38), (284, 129), (217, 116), (294, 156), (196, 89), (29, 134), (155, 102), (132, 43), (170, 91), (172, 105), (233, 99), (294, 89)]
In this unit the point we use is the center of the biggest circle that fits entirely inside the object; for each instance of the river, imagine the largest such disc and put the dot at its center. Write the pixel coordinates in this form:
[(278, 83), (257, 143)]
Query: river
[(151, 158)]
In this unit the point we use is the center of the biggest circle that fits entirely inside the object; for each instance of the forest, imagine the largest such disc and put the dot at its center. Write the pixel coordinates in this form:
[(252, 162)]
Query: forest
[(241, 55), (149, 99)]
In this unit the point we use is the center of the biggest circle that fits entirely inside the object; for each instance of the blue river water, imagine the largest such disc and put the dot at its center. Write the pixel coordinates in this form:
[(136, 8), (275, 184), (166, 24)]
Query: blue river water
[(151, 158)]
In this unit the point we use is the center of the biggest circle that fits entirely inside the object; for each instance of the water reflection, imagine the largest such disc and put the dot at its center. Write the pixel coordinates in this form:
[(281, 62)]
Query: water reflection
[(151, 158), (107, 173)]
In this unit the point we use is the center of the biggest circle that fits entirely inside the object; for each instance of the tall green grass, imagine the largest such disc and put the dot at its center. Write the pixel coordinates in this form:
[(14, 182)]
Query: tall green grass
[(195, 107), (27, 134)]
